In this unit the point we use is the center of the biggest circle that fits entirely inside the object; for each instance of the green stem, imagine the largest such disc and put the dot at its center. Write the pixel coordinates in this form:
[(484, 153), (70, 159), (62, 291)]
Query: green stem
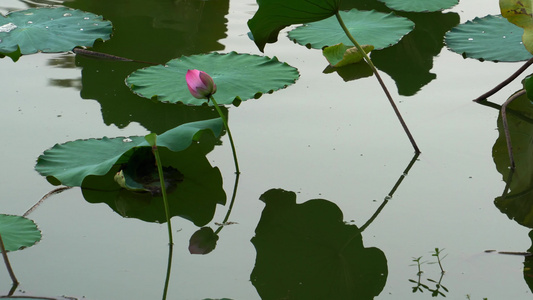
[(163, 192), (215, 104), (230, 204), (169, 266), (367, 59)]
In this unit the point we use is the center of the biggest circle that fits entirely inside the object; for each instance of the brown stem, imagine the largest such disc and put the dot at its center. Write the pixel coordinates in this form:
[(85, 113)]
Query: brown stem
[(8, 265), (506, 126), (383, 86), (505, 82)]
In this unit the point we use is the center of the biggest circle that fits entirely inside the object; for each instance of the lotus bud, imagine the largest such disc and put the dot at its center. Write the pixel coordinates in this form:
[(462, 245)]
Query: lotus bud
[(200, 84)]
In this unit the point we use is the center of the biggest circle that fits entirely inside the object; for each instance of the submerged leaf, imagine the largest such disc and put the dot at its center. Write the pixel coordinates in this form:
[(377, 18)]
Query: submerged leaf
[(238, 77), (368, 27), (18, 232), (342, 55), (71, 162), (50, 29), (274, 15), (520, 14), (488, 38), (420, 5)]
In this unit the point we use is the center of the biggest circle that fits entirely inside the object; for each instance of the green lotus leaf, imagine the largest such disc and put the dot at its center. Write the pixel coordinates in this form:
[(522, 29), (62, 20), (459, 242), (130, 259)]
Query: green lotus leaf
[(342, 55), (274, 15), (420, 5), (368, 27), (71, 162), (194, 195), (516, 203), (520, 14), (18, 232), (57, 29), (238, 77), (489, 38)]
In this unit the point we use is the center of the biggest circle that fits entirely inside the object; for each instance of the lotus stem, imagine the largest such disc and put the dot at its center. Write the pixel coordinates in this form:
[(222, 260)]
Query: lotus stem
[(215, 104), (152, 140), (8, 265), (230, 208), (169, 266), (505, 82), (369, 61), (506, 127)]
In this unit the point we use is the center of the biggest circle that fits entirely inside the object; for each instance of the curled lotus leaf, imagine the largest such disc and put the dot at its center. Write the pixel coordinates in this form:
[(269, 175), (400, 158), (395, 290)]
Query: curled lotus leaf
[(71, 162), (274, 15), (520, 13)]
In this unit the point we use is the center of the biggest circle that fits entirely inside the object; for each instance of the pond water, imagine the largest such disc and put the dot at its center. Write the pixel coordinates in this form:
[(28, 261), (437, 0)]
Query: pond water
[(321, 138)]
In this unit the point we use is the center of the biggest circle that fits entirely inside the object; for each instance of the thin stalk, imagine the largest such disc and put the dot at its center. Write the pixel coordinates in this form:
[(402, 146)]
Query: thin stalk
[(8, 265), (506, 126), (367, 59), (163, 191), (53, 192), (505, 82), (391, 193), (215, 104), (169, 266), (230, 204)]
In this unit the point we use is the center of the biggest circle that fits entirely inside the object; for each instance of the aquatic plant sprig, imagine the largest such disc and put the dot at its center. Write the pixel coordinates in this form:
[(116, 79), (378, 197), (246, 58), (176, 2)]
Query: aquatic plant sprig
[(437, 254), (202, 86)]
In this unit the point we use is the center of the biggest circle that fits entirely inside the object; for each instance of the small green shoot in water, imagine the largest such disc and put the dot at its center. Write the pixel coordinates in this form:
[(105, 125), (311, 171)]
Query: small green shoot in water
[(437, 254), (418, 264)]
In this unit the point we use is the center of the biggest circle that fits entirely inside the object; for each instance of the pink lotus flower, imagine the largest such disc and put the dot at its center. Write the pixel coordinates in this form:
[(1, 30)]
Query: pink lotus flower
[(200, 84)]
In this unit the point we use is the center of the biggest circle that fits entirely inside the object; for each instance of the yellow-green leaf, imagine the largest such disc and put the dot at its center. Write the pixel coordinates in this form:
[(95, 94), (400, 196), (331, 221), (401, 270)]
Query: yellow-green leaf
[(341, 55), (520, 13)]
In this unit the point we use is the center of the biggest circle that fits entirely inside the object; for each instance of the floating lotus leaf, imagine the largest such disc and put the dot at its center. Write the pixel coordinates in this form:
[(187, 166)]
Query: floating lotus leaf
[(520, 14), (193, 196), (238, 77), (274, 15), (368, 27), (342, 55), (18, 232), (70, 163), (57, 29), (488, 38), (420, 5)]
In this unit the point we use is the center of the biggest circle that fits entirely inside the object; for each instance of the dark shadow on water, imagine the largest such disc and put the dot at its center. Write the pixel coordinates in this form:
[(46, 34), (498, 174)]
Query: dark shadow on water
[(307, 250)]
